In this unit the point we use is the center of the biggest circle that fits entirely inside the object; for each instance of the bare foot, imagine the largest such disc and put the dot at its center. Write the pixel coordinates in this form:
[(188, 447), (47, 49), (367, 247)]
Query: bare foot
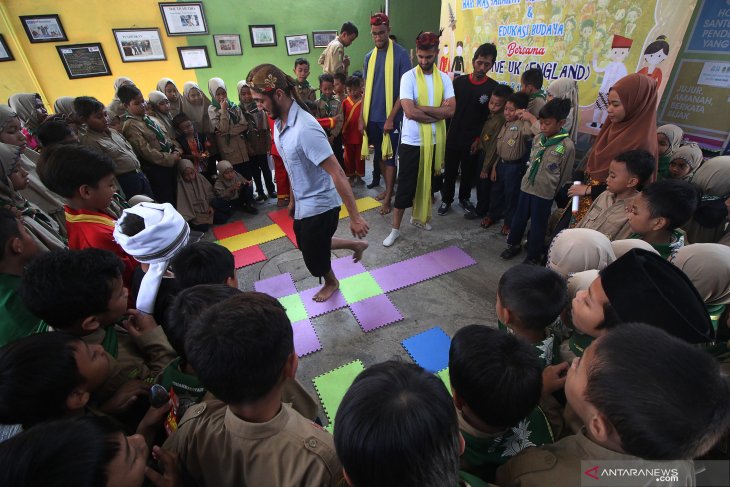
[(327, 291), (381, 196), (359, 249), (385, 209)]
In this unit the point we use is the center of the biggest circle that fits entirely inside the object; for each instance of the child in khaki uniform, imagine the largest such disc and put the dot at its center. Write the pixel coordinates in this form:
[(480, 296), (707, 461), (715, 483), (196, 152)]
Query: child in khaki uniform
[(304, 89), (329, 108), (551, 163), (248, 436), (532, 80), (636, 391)]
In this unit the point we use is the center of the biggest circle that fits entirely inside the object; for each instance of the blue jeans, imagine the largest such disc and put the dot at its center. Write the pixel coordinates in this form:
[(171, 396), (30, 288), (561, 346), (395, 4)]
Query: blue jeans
[(505, 191), (537, 210)]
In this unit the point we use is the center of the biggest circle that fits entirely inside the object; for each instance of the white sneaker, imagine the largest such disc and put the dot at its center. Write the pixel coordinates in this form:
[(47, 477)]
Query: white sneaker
[(422, 226), (391, 238)]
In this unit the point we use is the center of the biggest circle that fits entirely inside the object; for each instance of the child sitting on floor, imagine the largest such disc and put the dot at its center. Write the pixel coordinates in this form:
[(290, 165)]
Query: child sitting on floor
[(669, 138), (194, 195), (232, 191), (685, 161), (195, 146)]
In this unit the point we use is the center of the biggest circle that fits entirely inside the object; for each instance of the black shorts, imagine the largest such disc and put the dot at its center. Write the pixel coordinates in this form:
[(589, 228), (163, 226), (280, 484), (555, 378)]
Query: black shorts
[(409, 159), (314, 238)]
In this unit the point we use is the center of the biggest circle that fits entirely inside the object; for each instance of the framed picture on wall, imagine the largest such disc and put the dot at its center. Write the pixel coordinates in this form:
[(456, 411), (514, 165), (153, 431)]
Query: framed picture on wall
[(184, 18), (193, 57), (43, 28), (297, 44), (322, 38), (262, 35), (228, 45), (84, 60), (5, 54), (137, 45)]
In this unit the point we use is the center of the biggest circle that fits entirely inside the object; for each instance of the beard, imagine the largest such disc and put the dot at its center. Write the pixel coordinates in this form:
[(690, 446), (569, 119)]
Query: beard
[(427, 67)]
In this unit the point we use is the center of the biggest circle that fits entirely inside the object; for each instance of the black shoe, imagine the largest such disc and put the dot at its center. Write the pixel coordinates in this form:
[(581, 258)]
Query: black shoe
[(531, 261), (467, 206), (374, 184), (472, 215), (261, 197), (250, 209), (272, 194), (444, 208), (511, 252)]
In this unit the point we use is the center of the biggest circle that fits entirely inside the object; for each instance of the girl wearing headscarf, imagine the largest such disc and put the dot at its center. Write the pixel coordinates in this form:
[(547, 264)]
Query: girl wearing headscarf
[(713, 180), (195, 105), (161, 113), (169, 88), (31, 111), (579, 249), (36, 191), (230, 126), (194, 194), (39, 224), (631, 124), (669, 138), (685, 161), (116, 108)]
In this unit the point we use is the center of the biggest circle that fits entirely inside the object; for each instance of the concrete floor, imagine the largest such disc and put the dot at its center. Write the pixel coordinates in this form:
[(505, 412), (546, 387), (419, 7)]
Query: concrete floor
[(450, 301)]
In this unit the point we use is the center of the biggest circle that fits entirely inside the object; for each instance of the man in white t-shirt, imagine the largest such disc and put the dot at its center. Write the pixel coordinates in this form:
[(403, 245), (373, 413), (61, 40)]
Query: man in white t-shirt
[(414, 176)]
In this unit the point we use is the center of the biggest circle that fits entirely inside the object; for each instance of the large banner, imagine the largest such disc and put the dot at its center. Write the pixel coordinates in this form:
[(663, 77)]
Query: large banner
[(595, 42)]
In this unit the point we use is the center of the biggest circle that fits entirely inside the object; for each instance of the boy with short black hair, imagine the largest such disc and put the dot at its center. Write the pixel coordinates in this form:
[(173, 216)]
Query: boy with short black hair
[(81, 292), (340, 86), (496, 380), (532, 85), (204, 263), (17, 249), (512, 149), (396, 425), (242, 350), (101, 136), (56, 131), (329, 111), (301, 72), (637, 392), (156, 151), (659, 210), (529, 300), (550, 166), (85, 177), (627, 174)]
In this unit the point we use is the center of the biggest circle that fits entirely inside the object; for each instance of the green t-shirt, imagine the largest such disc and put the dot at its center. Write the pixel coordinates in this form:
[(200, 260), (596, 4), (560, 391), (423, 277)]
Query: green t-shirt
[(548, 350), (187, 387), (15, 320)]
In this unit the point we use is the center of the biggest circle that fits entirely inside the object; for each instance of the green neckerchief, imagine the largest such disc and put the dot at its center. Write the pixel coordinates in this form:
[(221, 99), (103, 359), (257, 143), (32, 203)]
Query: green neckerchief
[(164, 146), (578, 343), (250, 107), (666, 250), (327, 104), (231, 109), (303, 85), (663, 168), (111, 342), (544, 143), (538, 94), (715, 311)]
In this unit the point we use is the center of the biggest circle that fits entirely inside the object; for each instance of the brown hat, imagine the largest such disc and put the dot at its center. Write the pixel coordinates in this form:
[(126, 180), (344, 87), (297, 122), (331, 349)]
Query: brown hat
[(266, 78)]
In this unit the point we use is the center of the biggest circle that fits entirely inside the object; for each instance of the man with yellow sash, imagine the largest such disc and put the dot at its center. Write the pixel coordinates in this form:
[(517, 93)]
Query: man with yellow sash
[(427, 97), (381, 108)]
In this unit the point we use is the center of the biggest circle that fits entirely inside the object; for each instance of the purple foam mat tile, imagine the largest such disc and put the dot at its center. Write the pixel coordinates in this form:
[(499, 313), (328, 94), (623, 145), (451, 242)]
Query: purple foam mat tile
[(403, 274), (315, 309), (449, 259), (345, 267), (277, 286), (375, 312), (306, 340)]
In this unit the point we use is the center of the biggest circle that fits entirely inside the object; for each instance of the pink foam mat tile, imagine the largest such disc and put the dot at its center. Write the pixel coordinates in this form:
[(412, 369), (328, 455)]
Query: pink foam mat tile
[(277, 286), (229, 230), (248, 256), (375, 312), (306, 340)]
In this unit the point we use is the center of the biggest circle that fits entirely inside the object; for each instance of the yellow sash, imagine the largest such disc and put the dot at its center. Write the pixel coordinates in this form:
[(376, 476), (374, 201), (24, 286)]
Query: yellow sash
[(429, 156), (349, 115), (386, 146)]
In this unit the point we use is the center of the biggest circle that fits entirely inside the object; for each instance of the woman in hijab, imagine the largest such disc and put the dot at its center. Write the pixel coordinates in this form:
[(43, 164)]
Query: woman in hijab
[(685, 161), (669, 138), (64, 108), (578, 250), (713, 180), (31, 111), (115, 108), (230, 126), (169, 88), (161, 113)]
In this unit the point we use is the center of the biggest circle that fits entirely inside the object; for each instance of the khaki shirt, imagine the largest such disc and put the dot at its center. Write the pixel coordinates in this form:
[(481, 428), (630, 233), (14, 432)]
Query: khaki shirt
[(138, 357), (554, 171), (229, 135), (218, 449), (116, 147), (535, 105), (306, 93), (608, 216), (332, 58), (559, 464), (145, 143), (488, 139), (331, 109), (512, 140)]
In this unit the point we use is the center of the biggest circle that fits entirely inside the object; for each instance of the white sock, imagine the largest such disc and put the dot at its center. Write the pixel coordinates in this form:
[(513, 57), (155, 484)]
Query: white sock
[(392, 237)]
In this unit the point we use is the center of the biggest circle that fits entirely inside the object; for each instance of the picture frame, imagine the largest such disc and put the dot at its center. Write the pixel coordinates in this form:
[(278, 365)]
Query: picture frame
[(262, 35), (5, 53), (322, 38), (194, 57), (84, 60), (228, 45), (297, 44), (139, 45), (184, 18), (43, 28)]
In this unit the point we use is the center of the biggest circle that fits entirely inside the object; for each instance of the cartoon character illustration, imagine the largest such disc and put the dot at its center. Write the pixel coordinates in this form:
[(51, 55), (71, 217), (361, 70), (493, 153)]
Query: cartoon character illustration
[(586, 34), (654, 54), (444, 60), (569, 29), (631, 17), (459, 59), (618, 17), (614, 71)]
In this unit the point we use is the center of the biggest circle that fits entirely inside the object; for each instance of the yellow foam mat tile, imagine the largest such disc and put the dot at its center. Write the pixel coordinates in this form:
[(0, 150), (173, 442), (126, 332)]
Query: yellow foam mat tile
[(253, 237), (363, 205)]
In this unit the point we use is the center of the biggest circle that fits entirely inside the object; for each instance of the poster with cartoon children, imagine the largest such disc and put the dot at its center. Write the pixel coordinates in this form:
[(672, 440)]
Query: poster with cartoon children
[(459, 59), (612, 72), (654, 54)]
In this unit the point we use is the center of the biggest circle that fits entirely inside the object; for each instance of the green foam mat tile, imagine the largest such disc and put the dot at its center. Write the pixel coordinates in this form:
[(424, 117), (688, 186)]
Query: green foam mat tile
[(444, 376), (294, 307), (359, 287), (332, 386)]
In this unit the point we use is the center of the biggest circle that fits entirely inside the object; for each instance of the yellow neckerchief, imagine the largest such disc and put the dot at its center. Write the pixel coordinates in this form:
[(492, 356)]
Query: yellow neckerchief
[(429, 156), (352, 112), (386, 146), (86, 218)]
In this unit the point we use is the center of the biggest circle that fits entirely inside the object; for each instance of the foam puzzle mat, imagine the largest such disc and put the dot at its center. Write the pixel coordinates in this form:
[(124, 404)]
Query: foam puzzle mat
[(332, 386), (429, 349)]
